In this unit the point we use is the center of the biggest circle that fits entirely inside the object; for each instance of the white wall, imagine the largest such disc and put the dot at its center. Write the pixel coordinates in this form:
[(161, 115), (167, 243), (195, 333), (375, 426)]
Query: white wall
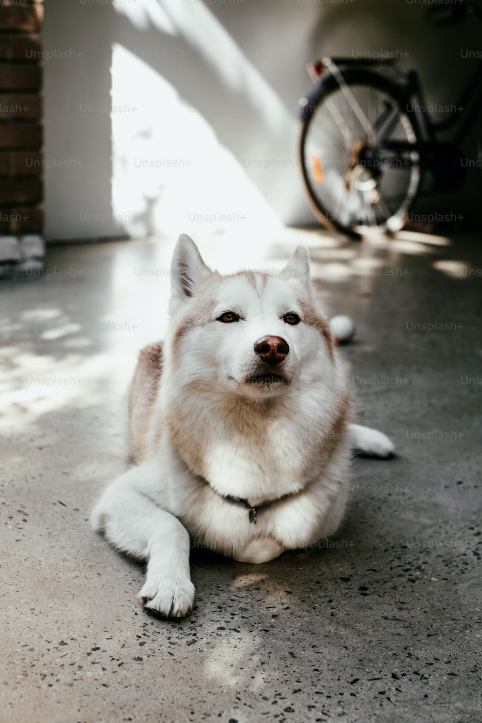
[(226, 77)]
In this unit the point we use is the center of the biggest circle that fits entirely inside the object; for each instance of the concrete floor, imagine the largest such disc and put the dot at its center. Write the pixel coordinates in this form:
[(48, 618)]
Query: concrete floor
[(380, 624)]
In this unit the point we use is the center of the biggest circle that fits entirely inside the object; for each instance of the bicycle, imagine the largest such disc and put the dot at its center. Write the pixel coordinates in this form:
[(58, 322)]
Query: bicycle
[(366, 142)]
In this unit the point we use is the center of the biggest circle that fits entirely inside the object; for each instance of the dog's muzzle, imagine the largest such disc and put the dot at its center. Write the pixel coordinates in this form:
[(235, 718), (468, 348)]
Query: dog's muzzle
[(266, 379)]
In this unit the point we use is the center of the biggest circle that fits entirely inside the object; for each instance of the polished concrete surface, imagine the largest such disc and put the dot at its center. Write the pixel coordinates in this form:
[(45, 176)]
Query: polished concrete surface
[(382, 623)]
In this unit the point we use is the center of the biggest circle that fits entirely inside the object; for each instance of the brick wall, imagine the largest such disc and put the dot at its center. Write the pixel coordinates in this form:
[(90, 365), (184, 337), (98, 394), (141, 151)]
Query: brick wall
[(21, 136)]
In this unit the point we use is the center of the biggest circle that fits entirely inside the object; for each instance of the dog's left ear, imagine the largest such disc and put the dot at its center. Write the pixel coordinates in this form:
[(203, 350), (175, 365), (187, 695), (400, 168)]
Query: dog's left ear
[(187, 268), (298, 265)]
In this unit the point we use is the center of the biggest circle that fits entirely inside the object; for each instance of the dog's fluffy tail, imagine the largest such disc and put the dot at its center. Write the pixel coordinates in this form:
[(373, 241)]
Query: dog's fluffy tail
[(370, 442)]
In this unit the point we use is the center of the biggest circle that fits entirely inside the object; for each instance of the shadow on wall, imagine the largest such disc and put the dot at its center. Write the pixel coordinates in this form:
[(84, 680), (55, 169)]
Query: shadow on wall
[(177, 158), (201, 100), (170, 168), (169, 171)]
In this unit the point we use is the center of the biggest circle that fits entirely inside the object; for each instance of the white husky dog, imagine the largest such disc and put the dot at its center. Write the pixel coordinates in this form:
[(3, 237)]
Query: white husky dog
[(238, 427)]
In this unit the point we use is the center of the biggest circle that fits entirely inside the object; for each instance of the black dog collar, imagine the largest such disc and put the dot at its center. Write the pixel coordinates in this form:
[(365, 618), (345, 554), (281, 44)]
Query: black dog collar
[(252, 511)]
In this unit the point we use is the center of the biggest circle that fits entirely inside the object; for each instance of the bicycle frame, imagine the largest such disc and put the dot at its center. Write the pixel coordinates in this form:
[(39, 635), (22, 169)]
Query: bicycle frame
[(471, 96), (412, 92)]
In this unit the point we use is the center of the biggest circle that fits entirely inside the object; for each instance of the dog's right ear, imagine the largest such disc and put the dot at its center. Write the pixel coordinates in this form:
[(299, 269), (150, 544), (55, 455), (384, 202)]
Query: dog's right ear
[(298, 265), (187, 268)]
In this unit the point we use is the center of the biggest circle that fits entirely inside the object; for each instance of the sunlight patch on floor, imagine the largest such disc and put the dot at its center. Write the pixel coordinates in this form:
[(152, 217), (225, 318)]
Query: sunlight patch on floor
[(455, 269)]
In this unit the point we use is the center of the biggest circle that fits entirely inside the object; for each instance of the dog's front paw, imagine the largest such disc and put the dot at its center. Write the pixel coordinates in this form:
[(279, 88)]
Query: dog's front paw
[(172, 597), (371, 442)]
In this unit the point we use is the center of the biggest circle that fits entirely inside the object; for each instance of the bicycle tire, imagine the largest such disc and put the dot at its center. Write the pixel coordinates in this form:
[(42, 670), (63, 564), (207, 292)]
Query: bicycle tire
[(327, 86)]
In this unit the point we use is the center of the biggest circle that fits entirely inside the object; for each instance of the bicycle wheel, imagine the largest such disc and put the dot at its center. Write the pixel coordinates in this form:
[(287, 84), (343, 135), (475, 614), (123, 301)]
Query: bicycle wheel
[(352, 186)]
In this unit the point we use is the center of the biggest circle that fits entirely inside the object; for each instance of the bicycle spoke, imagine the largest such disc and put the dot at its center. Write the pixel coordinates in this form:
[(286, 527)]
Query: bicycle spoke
[(354, 191), (390, 123), (338, 118), (383, 208), (365, 123), (327, 131), (339, 208)]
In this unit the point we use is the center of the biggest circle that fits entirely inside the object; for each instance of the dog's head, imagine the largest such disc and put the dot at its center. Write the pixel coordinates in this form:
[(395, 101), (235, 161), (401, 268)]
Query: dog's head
[(252, 333)]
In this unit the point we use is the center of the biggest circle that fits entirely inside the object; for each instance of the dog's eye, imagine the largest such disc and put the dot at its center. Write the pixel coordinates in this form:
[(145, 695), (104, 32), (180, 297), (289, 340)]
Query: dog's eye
[(291, 318), (228, 317)]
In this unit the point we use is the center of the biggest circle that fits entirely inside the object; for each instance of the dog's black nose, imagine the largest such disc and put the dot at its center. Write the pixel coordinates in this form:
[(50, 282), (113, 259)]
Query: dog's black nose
[(272, 349)]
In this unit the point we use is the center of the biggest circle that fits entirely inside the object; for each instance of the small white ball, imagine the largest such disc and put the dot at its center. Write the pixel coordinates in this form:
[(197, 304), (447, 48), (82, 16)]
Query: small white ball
[(342, 329)]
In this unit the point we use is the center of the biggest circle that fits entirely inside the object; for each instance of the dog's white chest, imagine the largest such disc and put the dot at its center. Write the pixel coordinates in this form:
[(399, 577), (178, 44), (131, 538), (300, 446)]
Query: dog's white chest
[(255, 469)]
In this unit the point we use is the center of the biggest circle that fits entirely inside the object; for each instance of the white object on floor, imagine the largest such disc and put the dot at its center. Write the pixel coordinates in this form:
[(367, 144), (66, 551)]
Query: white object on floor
[(342, 329)]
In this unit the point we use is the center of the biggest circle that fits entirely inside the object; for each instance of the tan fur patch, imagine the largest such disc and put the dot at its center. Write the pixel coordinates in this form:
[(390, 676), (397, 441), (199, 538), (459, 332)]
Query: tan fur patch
[(339, 429), (249, 275), (184, 327), (202, 311), (312, 318), (142, 395), (257, 279)]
